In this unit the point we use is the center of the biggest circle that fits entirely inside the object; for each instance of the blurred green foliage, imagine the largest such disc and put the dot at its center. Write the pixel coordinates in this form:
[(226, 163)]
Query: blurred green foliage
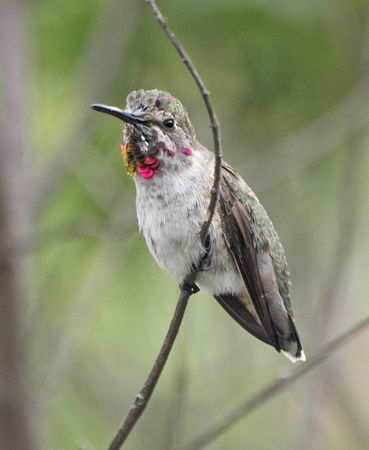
[(101, 306)]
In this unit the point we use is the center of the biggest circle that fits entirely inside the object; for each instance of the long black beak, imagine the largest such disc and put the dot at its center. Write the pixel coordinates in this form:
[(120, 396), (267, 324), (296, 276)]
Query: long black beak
[(122, 115)]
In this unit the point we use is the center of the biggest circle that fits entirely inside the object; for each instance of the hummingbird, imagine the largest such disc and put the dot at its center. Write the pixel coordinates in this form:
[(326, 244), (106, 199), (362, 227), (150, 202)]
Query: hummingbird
[(242, 263)]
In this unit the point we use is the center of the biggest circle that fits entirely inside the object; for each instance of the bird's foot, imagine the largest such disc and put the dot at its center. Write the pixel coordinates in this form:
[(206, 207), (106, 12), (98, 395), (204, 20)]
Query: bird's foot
[(189, 289), (204, 261)]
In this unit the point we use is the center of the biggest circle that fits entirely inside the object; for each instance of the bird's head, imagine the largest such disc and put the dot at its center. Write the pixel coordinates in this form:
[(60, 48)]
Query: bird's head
[(158, 135)]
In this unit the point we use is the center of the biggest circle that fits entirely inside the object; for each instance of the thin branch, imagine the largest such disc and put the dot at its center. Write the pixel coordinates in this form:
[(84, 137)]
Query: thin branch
[(277, 386), (213, 118), (144, 395)]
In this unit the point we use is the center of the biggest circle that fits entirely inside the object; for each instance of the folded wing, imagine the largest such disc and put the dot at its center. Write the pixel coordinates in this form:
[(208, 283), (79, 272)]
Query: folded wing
[(259, 256)]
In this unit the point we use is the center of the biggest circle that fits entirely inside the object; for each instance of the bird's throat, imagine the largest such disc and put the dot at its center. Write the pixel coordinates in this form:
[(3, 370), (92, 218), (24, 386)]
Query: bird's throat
[(147, 166)]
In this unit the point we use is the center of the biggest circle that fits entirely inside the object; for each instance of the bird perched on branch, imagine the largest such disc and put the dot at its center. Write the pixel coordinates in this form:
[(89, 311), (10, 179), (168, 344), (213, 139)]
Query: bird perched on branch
[(242, 263)]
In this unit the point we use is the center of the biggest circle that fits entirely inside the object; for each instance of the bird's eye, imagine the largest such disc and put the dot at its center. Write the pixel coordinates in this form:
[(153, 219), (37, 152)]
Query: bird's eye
[(169, 123)]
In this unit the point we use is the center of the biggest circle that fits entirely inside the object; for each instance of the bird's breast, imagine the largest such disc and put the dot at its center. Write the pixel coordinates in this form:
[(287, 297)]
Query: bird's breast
[(171, 225)]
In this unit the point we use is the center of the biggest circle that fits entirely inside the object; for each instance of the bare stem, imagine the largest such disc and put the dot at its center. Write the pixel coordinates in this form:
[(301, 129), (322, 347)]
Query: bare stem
[(277, 386), (144, 395), (214, 124)]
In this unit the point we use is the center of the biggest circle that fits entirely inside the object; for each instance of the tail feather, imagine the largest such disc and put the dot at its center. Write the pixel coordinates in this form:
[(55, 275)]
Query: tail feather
[(288, 341)]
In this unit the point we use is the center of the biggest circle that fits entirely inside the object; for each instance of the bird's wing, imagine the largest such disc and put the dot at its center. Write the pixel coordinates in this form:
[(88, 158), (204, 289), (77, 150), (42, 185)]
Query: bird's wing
[(260, 259), (236, 307)]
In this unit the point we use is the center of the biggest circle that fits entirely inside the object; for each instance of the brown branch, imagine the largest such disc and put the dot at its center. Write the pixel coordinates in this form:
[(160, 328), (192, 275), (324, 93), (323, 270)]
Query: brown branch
[(214, 124), (144, 395), (277, 386)]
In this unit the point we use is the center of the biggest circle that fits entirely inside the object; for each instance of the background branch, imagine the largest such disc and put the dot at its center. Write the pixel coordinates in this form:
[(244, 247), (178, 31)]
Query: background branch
[(277, 386), (323, 386), (16, 176)]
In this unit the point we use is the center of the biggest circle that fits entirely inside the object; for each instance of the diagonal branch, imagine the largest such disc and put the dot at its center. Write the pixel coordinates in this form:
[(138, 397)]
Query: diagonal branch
[(277, 386), (144, 395)]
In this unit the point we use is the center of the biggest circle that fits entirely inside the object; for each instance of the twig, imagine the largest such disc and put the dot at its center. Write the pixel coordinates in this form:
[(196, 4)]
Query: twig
[(213, 118), (277, 386), (144, 395)]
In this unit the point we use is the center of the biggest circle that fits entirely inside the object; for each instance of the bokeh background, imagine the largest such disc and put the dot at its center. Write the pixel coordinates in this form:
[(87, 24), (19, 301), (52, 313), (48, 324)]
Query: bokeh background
[(84, 307)]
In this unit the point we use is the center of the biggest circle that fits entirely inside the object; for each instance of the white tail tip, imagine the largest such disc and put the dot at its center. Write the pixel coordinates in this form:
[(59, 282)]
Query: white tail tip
[(292, 358)]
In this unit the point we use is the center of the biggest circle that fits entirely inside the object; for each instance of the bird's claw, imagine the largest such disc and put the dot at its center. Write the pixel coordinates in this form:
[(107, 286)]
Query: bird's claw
[(204, 261), (189, 289)]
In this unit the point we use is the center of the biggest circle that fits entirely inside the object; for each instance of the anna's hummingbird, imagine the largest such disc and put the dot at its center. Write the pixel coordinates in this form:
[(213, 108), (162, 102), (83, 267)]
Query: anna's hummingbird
[(243, 263)]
